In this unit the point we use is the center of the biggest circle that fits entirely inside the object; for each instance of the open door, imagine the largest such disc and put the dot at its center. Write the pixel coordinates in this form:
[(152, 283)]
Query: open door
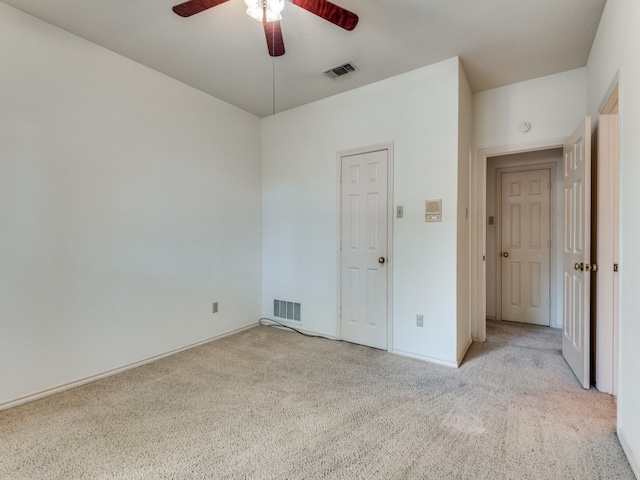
[(577, 251)]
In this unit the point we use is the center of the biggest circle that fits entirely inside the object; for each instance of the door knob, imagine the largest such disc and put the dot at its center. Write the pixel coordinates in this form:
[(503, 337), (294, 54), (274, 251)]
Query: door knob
[(380, 260), (578, 266), (505, 254)]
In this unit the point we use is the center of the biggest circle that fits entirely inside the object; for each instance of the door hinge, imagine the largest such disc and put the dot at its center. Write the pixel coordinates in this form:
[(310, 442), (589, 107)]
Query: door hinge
[(615, 267)]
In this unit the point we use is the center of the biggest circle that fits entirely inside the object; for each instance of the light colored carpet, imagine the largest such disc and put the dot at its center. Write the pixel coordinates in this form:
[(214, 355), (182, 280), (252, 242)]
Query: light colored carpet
[(270, 404)]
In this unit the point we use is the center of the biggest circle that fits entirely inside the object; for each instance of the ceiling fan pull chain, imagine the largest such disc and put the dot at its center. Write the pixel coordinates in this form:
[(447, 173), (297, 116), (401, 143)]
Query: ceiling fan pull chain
[(273, 80)]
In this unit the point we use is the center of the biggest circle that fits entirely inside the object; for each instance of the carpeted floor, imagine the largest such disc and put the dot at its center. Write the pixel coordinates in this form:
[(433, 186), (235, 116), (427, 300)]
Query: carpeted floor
[(270, 404)]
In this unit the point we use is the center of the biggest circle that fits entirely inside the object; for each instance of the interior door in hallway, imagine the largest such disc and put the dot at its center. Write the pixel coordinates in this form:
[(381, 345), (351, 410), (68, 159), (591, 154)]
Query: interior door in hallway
[(363, 255), (576, 261), (526, 246)]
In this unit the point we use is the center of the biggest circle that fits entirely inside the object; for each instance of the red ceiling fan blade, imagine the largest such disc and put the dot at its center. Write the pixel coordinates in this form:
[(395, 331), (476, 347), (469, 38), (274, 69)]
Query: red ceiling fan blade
[(275, 42), (192, 7), (330, 12)]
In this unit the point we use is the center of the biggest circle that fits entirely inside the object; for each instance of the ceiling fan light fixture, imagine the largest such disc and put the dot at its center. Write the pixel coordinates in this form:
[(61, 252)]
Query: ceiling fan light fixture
[(255, 13), (253, 4), (273, 16), (275, 6), (257, 9)]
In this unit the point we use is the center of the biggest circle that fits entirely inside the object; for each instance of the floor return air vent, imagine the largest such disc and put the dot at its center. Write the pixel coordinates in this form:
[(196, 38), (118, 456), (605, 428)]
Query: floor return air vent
[(286, 310)]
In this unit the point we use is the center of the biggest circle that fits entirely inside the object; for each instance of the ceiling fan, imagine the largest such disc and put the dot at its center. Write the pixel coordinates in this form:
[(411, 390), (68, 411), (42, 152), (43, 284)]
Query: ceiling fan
[(268, 12)]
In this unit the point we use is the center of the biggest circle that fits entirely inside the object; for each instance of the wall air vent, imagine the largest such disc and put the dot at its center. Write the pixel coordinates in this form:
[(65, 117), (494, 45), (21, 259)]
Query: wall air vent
[(340, 70), (286, 310)]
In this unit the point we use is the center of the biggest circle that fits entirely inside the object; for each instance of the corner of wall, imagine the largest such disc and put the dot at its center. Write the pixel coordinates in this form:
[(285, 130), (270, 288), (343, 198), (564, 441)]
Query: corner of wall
[(465, 113)]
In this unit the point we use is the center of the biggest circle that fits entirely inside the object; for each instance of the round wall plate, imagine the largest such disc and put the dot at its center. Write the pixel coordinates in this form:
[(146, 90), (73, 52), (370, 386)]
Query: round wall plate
[(525, 127)]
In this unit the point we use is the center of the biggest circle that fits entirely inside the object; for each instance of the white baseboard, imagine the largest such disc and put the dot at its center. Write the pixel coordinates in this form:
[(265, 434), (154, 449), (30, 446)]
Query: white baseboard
[(83, 381), (437, 361), (633, 461), (295, 326)]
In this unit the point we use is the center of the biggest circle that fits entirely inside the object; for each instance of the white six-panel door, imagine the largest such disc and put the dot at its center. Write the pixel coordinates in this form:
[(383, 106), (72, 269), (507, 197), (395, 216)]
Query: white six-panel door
[(363, 256), (577, 251), (526, 246)]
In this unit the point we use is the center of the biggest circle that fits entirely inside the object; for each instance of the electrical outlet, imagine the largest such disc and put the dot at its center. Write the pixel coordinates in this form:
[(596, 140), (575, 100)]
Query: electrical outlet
[(419, 321), (215, 307)]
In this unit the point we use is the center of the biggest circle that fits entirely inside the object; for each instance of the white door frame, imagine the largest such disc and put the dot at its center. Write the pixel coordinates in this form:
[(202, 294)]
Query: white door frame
[(552, 167), (390, 202), (608, 242), (479, 228)]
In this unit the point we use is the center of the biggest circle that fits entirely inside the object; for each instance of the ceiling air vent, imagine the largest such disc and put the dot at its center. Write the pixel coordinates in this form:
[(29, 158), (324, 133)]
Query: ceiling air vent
[(340, 70)]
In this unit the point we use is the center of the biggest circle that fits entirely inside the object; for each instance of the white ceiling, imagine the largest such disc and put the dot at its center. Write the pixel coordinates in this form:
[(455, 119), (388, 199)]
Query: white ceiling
[(223, 52)]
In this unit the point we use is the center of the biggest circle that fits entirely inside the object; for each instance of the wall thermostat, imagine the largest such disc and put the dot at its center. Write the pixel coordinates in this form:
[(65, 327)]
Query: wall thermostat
[(525, 127), (433, 210)]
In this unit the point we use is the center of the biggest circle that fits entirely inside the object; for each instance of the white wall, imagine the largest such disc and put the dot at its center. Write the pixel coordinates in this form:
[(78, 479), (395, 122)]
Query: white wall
[(418, 112), (554, 105), (616, 49), (518, 159), (129, 202)]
